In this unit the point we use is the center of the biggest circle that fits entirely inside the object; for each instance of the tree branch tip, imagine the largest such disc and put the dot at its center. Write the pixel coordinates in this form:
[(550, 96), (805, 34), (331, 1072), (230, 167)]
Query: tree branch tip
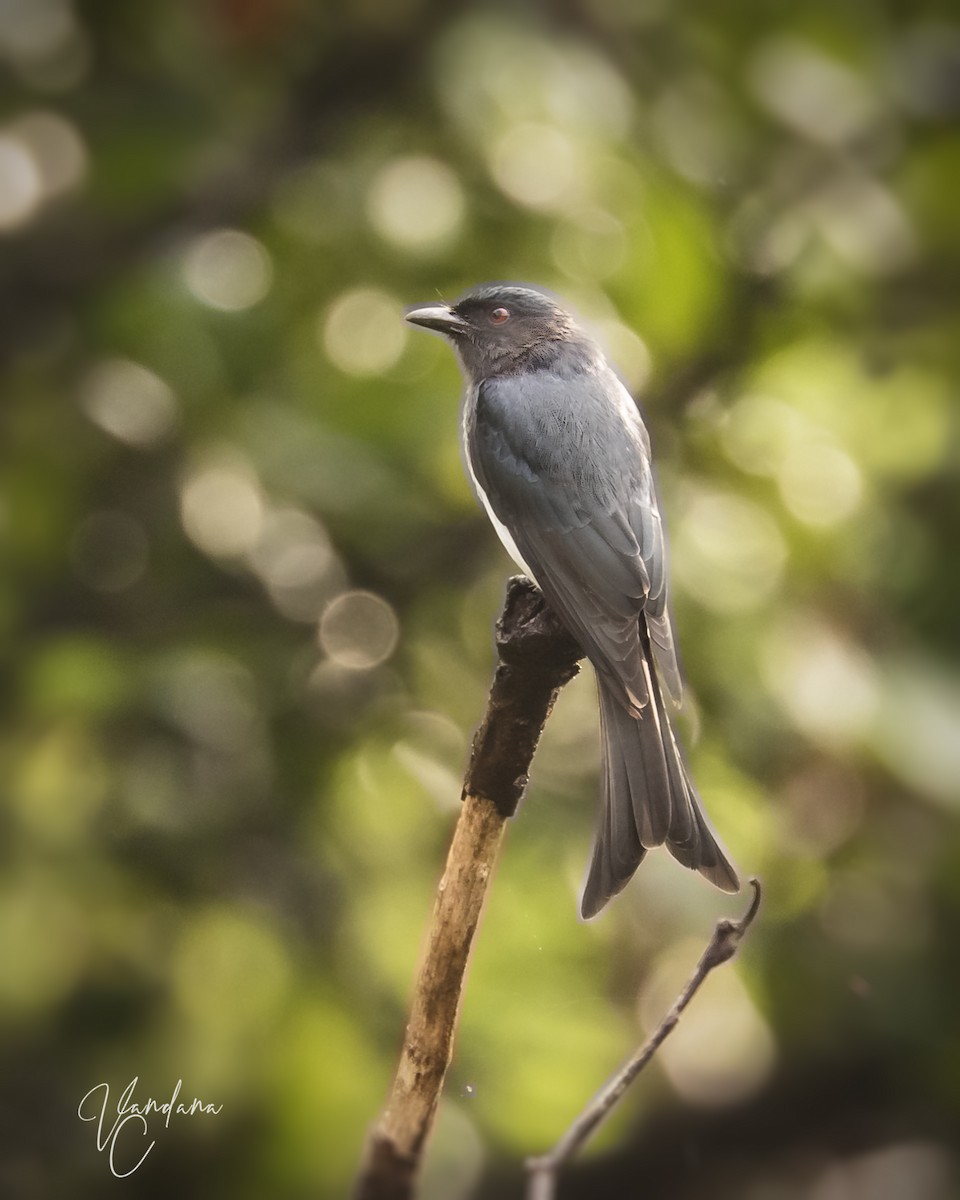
[(520, 583), (728, 934), (528, 628), (748, 918)]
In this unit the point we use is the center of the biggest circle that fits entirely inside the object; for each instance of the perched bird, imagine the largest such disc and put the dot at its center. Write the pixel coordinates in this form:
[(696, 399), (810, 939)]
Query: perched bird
[(560, 459)]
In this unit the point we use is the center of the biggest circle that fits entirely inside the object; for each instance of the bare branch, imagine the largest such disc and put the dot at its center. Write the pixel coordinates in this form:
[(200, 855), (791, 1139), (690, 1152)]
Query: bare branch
[(536, 658), (545, 1170)]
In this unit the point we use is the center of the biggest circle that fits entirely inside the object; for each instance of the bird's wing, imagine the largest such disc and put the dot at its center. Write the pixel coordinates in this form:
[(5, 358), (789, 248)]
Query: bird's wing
[(564, 465)]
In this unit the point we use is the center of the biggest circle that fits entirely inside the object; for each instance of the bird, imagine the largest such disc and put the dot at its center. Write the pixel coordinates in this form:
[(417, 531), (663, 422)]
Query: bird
[(560, 458)]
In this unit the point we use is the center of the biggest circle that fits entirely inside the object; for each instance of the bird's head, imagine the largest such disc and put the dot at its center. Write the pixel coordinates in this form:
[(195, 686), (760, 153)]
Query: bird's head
[(500, 329)]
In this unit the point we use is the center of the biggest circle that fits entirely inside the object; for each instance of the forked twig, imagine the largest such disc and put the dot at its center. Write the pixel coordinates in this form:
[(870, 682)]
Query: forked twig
[(544, 1171)]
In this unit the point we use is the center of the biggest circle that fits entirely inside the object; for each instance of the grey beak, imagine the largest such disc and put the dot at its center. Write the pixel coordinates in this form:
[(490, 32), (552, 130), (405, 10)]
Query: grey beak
[(440, 317)]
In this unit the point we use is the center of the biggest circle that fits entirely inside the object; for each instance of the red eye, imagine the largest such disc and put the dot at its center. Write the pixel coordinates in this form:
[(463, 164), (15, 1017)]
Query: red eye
[(498, 316)]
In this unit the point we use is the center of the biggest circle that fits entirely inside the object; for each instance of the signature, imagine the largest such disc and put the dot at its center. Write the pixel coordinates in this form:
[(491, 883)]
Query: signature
[(131, 1119)]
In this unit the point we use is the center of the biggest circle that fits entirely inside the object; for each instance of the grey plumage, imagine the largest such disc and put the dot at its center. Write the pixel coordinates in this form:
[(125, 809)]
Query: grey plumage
[(561, 460)]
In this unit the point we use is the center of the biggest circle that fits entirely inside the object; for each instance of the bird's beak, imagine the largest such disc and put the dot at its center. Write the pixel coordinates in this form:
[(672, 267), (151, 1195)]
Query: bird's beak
[(440, 317)]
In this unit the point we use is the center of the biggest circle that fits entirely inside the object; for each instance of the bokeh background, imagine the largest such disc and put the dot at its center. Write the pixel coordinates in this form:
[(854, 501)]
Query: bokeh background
[(247, 600)]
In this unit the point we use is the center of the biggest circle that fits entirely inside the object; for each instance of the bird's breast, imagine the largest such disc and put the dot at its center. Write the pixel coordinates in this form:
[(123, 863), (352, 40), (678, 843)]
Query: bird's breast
[(468, 422)]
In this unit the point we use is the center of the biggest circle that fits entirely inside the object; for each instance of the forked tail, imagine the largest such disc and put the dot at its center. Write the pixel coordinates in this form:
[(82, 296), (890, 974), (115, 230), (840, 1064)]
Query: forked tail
[(648, 799)]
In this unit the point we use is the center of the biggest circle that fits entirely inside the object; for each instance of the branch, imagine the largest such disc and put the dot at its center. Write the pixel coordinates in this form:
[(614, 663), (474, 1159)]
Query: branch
[(536, 658), (544, 1171)]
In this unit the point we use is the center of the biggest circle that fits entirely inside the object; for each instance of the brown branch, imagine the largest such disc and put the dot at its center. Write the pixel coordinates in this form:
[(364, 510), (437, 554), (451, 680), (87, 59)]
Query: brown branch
[(536, 658), (545, 1170)]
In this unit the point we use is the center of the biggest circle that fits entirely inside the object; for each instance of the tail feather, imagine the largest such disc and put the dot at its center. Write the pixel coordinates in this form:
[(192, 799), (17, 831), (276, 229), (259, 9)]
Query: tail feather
[(623, 850), (645, 764), (648, 799)]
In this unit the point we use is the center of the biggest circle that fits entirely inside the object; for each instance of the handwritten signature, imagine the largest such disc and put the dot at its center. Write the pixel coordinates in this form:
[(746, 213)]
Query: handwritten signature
[(132, 1117)]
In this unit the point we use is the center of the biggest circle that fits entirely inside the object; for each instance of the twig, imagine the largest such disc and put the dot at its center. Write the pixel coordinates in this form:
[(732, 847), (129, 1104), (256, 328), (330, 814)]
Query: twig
[(536, 658), (545, 1170)]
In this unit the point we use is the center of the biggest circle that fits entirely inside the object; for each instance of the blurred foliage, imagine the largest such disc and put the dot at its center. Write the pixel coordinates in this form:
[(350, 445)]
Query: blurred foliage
[(247, 602)]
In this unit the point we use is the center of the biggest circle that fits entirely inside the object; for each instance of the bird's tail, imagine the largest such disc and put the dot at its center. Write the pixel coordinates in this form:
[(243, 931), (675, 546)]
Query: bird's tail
[(648, 799)]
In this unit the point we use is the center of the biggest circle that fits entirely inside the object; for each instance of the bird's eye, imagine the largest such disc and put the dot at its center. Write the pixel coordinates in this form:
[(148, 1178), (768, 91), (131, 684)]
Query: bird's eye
[(498, 316)]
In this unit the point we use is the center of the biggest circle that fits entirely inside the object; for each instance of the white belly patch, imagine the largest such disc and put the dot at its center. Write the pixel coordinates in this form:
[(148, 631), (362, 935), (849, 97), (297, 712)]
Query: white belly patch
[(503, 533)]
